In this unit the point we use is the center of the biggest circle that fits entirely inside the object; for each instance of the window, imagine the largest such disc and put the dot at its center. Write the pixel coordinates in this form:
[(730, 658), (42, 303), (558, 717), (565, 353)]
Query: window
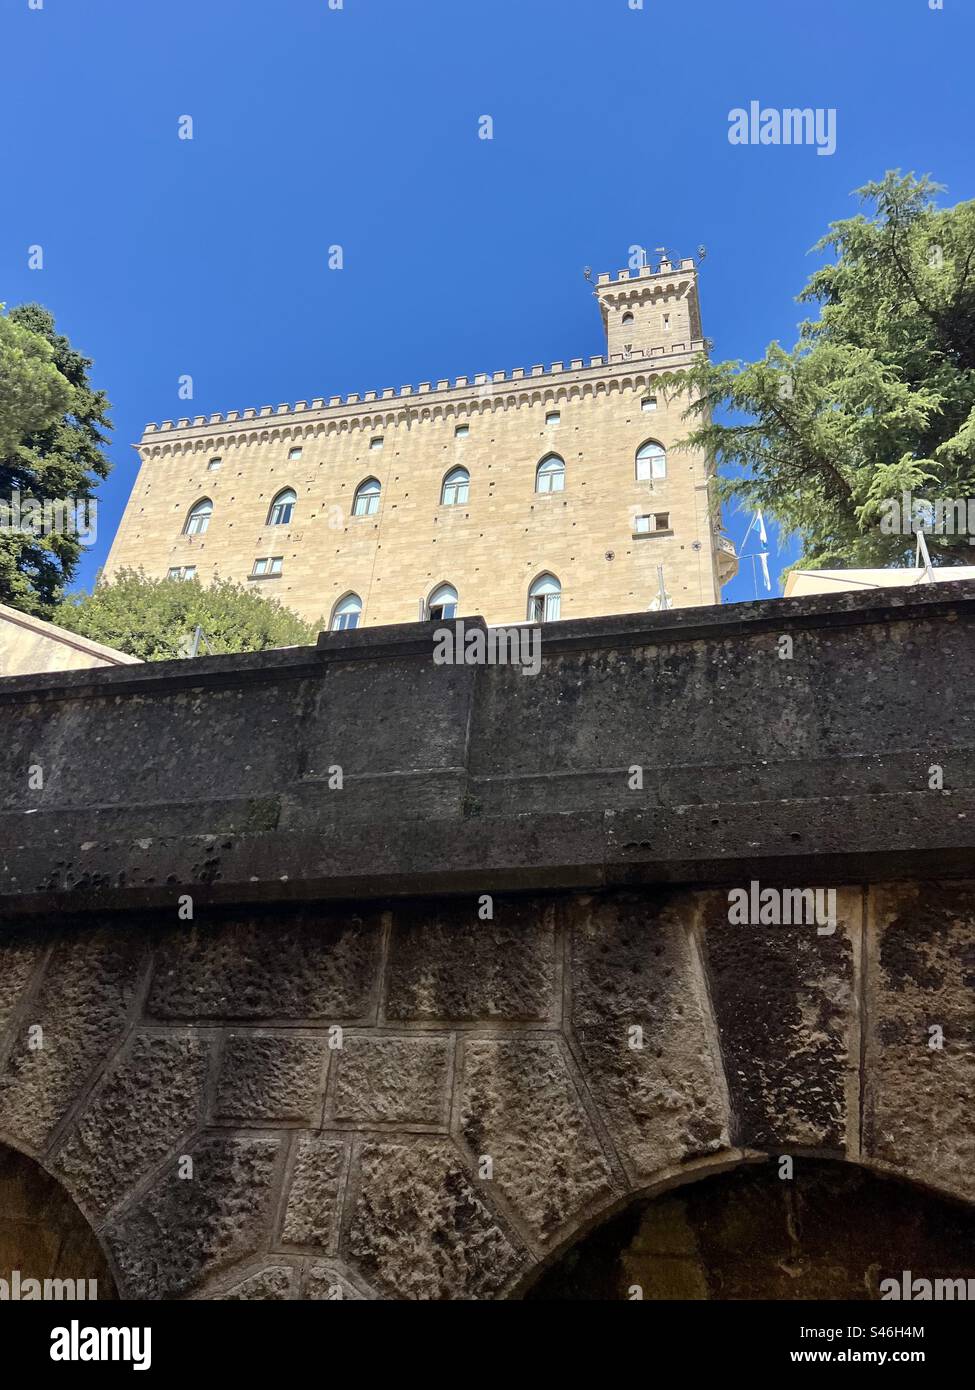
[(648, 403), (462, 431), (627, 318), (294, 453), (282, 508), (267, 567), (376, 443), (213, 465), (553, 417), (346, 613), (443, 603), (544, 599), (182, 572), (651, 461), (455, 487), (550, 474), (199, 518), (646, 525), (666, 323), (367, 498)]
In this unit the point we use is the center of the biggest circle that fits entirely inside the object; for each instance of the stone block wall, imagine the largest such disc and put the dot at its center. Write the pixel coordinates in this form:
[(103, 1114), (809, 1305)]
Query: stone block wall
[(413, 1100)]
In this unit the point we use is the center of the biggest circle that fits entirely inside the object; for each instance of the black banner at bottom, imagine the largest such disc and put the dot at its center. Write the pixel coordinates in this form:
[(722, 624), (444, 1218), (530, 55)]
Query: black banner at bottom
[(170, 1339)]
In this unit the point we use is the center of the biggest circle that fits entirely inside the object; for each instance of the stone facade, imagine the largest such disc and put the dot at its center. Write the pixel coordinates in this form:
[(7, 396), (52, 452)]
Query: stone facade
[(413, 1038), (594, 415), (443, 1133)]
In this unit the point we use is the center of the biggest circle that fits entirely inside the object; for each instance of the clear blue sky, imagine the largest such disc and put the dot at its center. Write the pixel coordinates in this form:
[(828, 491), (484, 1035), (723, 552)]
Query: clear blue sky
[(358, 126)]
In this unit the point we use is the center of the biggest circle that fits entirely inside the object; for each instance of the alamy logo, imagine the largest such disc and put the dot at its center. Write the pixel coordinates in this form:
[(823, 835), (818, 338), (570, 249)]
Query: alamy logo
[(946, 516), (791, 126), (756, 906), (497, 646), (927, 1290), (62, 516), (77, 1343), (17, 1289)]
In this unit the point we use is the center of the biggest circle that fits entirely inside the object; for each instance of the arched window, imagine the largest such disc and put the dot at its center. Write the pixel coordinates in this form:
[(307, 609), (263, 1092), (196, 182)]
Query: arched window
[(544, 599), (199, 517), (550, 474), (282, 508), (443, 603), (455, 487), (627, 318), (367, 498), (651, 461), (346, 613)]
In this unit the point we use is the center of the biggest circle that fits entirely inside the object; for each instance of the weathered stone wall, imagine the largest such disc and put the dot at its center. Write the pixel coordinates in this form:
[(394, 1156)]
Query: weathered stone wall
[(215, 773), (409, 1101), (348, 1072)]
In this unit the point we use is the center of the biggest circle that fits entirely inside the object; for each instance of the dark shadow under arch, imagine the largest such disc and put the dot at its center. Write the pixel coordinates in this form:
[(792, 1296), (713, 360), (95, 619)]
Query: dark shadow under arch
[(44, 1236), (833, 1231)]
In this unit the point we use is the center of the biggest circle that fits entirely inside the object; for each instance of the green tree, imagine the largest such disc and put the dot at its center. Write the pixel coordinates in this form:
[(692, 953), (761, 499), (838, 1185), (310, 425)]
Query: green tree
[(154, 618), (51, 422), (876, 398), (33, 393)]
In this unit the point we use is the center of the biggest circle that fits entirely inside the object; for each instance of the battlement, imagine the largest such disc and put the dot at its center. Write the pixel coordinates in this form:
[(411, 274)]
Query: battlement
[(480, 385), (665, 267)]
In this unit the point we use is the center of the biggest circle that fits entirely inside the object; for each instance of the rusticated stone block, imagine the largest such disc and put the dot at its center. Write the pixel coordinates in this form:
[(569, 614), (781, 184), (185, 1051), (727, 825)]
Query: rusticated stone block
[(270, 1078), (387, 1079), (276, 1283), (315, 1197), (301, 967), (785, 1002), (420, 1230), (151, 1097), (447, 964), (659, 1088), (20, 951), (920, 977), (328, 1281), (184, 1230), (520, 1107), (81, 1006)]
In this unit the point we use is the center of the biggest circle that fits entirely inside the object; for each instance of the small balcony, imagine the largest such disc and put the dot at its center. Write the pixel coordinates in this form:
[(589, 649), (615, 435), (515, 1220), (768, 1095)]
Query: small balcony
[(727, 558)]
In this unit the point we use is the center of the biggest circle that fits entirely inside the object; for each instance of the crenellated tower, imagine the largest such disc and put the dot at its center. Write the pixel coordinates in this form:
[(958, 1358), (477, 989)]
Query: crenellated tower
[(646, 310)]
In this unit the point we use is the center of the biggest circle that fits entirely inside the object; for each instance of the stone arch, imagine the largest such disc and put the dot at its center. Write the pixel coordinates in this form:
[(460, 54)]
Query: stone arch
[(735, 1229), (45, 1237)]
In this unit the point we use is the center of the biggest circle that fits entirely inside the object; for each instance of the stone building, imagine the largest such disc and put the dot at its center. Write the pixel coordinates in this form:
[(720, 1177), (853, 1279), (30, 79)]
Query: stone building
[(538, 493)]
